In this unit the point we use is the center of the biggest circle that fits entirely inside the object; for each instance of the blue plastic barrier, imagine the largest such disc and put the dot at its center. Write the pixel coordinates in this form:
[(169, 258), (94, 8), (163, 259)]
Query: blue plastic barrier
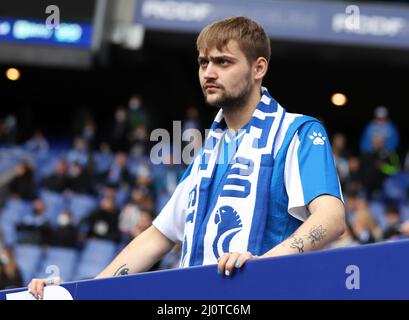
[(378, 271)]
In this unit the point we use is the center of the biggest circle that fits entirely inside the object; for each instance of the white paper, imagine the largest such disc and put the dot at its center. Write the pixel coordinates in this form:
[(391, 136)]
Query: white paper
[(50, 293), (22, 295)]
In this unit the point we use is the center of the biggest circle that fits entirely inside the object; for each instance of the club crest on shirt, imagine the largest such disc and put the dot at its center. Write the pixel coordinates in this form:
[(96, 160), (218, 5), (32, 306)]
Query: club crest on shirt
[(228, 223)]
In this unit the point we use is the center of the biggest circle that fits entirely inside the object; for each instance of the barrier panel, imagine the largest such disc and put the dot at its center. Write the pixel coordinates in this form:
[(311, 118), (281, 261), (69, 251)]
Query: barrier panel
[(376, 271)]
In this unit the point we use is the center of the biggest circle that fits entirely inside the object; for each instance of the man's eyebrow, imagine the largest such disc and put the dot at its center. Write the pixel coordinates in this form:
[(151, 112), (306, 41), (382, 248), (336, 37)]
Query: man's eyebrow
[(212, 58)]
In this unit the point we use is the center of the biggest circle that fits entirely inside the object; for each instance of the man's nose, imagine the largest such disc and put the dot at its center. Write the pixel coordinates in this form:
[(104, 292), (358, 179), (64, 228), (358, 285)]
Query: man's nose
[(210, 71)]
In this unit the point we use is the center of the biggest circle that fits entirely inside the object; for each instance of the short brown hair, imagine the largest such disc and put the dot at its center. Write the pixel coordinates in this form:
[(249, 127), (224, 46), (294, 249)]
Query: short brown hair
[(251, 37)]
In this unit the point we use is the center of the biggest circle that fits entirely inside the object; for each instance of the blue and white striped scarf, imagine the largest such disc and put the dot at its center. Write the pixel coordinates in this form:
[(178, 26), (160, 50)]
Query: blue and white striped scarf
[(235, 219)]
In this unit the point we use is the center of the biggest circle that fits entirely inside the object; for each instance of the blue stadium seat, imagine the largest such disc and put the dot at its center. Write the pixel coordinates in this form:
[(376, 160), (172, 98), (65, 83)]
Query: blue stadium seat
[(102, 161), (81, 205), (95, 256), (13, 212), (63, 258), (28, 258), (404, 212), (377, 210), (45, 167), (121, 197), (54, 203)]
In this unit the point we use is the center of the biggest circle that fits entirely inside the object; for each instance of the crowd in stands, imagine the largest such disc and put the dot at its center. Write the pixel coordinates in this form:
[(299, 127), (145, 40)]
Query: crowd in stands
[(76, 207), (375, 183)]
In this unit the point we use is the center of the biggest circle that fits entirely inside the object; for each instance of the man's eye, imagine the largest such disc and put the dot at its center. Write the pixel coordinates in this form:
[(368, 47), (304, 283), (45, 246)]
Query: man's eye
[(203, 63), (224, 62)]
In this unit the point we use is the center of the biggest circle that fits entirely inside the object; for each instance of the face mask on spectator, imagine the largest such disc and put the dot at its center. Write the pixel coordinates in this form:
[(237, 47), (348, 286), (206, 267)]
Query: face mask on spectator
[(63, 220)]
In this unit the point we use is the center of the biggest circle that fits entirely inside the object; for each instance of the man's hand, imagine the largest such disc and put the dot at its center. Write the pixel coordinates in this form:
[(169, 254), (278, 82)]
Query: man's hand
[(229, 261), (36, 286)]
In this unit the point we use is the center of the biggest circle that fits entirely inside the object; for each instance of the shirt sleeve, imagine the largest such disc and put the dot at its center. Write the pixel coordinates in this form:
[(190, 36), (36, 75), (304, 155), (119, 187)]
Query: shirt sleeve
[(171, 220), (310, 169)]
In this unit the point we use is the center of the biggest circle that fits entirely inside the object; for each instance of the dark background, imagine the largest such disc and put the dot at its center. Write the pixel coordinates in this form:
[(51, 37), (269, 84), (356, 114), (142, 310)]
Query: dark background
[(302, 77)]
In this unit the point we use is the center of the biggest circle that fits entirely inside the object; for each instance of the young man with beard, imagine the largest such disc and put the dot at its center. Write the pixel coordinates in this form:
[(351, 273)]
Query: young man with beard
[(263, 185)]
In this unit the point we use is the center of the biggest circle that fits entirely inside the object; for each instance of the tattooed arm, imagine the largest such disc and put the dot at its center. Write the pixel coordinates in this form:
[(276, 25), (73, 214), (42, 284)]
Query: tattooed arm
[(139, 255), (325, 224)]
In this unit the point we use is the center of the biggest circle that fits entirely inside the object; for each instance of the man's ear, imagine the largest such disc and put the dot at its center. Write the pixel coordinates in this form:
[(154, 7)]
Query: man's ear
[(260, 67)]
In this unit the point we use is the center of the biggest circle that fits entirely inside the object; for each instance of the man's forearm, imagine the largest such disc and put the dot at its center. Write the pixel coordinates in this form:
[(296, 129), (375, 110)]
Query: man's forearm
[(139, 255), (326, 223)]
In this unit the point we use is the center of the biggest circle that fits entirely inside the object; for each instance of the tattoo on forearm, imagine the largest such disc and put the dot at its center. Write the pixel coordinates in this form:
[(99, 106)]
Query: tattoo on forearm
[(122, 271), (297, 243), (316, 234)]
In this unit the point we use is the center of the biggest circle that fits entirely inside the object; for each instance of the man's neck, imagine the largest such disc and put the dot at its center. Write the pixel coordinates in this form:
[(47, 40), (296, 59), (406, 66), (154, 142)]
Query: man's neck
[(239, 116)]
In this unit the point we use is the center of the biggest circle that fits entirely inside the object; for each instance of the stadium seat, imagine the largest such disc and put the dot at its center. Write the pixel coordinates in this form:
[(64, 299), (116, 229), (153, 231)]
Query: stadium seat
[(54, 203), (81, 205), (65, 259), (377, 210), (404, 211), (13, 213), (102, 162), (45, 167), (28, 258), (95, 256), (121, 197)]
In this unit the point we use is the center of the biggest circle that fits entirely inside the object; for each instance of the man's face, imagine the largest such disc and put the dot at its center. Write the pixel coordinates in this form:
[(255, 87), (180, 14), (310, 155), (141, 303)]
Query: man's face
[(225, 76)]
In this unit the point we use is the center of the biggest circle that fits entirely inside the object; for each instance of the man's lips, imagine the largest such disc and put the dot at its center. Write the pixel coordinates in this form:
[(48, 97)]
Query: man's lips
[(211, 86)]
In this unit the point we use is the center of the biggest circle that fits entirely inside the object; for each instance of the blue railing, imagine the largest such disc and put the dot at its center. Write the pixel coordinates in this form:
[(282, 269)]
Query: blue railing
[(378, 271)]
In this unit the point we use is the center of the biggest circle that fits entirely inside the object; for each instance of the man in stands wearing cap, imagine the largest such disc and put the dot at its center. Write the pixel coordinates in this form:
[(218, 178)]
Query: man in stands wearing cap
[(383, 127)]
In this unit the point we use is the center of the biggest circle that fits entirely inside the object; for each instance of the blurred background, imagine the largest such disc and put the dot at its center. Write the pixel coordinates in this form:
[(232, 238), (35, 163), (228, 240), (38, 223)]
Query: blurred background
[(78, 104)]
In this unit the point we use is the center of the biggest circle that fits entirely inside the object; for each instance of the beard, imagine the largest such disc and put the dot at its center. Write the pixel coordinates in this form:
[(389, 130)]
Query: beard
[(228, 100)]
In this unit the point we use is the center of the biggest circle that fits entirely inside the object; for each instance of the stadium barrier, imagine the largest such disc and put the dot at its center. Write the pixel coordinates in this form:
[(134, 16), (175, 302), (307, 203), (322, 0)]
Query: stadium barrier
[(376, 271)]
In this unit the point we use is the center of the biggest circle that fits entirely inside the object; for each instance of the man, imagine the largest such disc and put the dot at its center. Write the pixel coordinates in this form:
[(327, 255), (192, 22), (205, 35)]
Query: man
[(383, 127), (278, 192)]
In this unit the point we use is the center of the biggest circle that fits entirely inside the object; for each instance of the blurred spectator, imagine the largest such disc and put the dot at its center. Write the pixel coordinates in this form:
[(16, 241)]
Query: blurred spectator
[(191, 120), (139, 141), (354, 181), (145, 200), (347, 239), (103, 159), (118, 174), (130, 214), (137, 116), (102, 223), (404, 229), (79, 152), (10, 276), (338, 144), (8, 130), (79, 181), (144, 222), (34, 228), (38, 144), (120, 130), (66, 233), (89, 131), (380, 126), (393, 223), (365, 227), (58, 180), (376, 165), (136, 216), (22, 186), (143, 180)]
